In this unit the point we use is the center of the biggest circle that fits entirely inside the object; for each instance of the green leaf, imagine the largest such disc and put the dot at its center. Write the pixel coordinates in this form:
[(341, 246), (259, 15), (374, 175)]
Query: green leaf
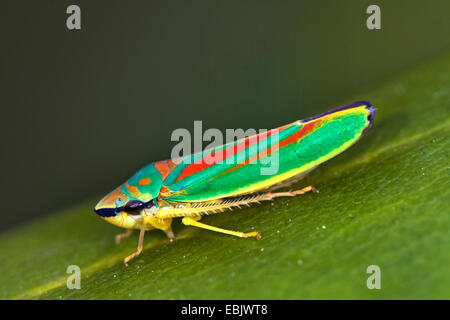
[(383, 202)]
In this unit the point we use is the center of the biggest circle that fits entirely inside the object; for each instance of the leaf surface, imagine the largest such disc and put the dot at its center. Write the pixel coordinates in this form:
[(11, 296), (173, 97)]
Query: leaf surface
[(383, 202)]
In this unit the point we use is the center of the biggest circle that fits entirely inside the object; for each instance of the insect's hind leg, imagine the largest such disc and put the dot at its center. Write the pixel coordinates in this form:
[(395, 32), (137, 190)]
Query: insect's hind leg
[(271, 195), (188, 221)]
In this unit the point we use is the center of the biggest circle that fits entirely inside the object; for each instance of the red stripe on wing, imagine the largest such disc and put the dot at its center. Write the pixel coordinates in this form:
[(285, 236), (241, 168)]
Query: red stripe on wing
[(303, 131), (200, 164)]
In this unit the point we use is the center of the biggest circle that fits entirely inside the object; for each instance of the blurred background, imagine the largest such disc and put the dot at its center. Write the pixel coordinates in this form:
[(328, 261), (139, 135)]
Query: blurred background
[(83, 110)]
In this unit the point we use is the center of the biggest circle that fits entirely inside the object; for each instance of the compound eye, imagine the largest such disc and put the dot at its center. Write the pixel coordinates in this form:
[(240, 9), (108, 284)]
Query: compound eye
[(149, 204), (133, 207)]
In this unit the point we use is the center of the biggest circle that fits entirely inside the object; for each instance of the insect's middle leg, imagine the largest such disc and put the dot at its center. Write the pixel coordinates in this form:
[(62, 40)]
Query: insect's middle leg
[(188, 221), (169, 233)]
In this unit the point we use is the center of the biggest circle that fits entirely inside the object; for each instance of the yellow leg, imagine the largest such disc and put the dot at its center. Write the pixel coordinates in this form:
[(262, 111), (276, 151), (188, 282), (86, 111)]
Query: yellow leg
[(140, 246), (192, 222), (126, 234)]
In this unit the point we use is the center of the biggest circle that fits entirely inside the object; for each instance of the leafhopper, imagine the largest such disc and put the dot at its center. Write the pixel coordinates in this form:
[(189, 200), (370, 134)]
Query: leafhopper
[(207, 182)]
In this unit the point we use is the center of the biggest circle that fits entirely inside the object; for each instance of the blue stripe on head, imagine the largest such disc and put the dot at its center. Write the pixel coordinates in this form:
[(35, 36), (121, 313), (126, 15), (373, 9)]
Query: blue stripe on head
[(108, 212)]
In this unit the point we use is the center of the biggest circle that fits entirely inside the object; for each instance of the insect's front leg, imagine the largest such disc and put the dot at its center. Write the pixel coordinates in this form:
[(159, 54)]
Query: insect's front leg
[(125, 234), (139, 248), (151, 222)]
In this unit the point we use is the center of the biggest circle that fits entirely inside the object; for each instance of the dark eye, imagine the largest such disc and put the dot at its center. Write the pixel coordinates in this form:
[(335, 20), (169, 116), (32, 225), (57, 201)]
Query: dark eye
[(149, 204), (133, 207)]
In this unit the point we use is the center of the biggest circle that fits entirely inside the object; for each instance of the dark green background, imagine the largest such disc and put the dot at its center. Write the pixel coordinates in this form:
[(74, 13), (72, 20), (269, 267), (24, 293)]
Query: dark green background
[(82, 110)]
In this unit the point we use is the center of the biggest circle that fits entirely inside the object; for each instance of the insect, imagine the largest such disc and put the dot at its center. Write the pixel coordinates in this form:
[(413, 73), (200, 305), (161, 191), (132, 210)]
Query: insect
[(190, 187)]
